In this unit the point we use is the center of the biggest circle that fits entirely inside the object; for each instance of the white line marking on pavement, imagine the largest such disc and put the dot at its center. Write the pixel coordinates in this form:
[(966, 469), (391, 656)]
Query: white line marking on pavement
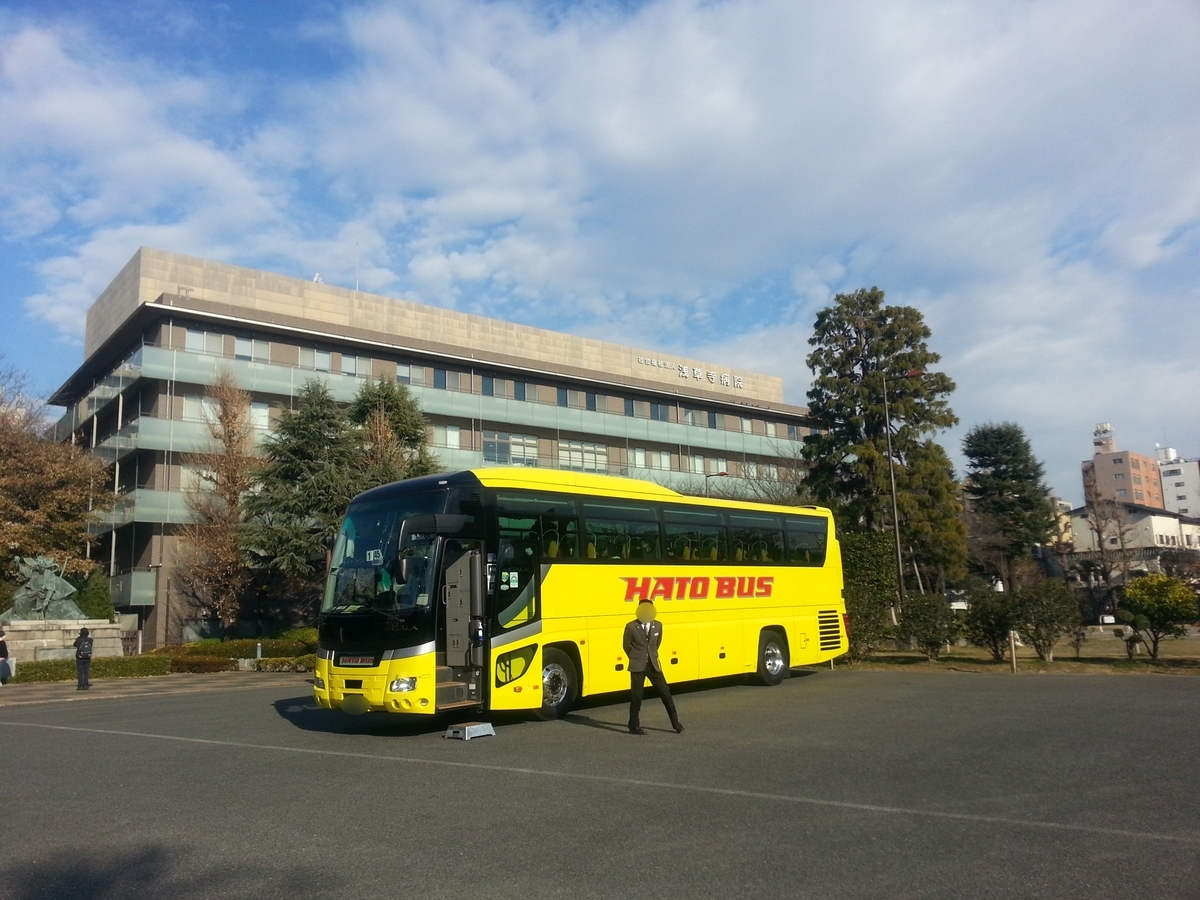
[(634, 782)]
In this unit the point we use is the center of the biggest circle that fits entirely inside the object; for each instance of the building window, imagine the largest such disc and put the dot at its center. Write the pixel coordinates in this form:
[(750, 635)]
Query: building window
[(1181, 484), (1134, 464), (747, 426), (1138, 495), (695, 464), (771, 429), (562, 397), (629, 407), (590, 402), (793, 433), (439, 379), (260, 415), (660, 412), (1172, 471), (489, 386), (1122, 492), (1181, 496), (719, 465), (650, 459), (252, 349), (1118, 462), (210, 343), (402, 373), (505, 449), (519, 390), (1137, 479), (712, 420), (1119, 476), (582, 456), (447, 436), (322, 360)]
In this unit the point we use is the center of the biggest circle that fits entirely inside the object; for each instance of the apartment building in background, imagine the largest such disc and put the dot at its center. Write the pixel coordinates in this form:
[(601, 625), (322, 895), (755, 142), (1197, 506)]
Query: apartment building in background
[(495, 393), (1180, 482), (1120, 475)]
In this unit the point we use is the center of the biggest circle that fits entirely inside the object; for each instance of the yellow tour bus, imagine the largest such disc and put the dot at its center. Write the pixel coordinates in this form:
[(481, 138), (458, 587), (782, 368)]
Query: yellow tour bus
[(509, 589)]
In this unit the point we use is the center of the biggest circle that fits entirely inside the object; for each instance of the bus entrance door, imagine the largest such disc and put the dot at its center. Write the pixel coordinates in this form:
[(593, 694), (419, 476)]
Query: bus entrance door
[(460, 678)]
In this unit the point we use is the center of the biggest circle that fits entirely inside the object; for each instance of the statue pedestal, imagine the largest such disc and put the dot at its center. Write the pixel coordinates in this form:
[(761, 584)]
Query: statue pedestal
[(30, 640)]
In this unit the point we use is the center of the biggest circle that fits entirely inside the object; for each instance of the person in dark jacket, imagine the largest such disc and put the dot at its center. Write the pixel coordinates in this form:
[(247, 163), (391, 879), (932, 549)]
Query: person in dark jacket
[(5, 666), (641, 641), (83, 659)]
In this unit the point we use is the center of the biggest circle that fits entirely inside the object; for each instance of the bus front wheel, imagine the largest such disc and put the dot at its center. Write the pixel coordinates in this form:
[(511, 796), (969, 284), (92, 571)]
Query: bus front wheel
[(560, 684), (773, 664)]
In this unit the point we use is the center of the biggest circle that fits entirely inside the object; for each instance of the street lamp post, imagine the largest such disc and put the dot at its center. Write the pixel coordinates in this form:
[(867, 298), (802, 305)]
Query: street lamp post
[(713, 475), (887, 430)]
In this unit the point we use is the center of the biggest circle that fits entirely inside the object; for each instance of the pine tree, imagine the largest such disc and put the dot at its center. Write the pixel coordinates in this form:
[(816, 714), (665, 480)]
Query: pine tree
[(858, 343), (303, 489), (391, 434), (933, 534), (1010, 506)]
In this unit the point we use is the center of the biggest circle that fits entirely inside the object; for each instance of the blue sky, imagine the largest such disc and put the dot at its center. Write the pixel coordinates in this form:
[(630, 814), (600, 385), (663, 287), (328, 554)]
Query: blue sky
[(695, 176)]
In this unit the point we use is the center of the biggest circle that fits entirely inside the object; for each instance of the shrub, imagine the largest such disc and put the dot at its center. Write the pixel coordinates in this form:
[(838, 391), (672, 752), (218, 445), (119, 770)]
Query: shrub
[(92, 596), (989, 618), (202, 664), (102, 667), (307, 636), (1158, 606), (246, 648), (1045, 611), (287, 663), (870, 575), (929, 622)]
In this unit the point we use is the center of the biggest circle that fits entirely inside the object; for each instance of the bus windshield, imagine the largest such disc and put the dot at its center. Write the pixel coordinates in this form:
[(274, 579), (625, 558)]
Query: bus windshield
[(362, 570)]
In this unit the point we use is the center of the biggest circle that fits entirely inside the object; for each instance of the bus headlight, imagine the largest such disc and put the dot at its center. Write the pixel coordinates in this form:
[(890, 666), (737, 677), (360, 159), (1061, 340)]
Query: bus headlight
[(402, 685), (318, 682)]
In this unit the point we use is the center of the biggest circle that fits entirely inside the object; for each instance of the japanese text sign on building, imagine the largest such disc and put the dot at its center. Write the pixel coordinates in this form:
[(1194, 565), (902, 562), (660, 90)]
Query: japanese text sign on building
[(724, 378)]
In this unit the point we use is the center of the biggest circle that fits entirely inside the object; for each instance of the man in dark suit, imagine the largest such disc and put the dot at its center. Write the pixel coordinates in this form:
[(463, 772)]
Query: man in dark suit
[(641, 641)]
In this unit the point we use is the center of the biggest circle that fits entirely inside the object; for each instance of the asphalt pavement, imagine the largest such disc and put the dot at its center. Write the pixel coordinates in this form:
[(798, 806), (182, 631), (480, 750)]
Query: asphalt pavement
[(840, 784)]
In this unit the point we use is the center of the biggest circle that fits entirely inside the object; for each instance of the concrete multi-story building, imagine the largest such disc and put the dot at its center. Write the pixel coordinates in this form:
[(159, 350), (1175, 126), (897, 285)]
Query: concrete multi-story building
[(1121, 475), (1133, 527), (1180, 482), (495, 393)]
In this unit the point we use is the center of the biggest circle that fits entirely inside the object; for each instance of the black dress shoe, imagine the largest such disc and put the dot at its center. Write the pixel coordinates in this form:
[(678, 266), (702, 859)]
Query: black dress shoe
[(678, 726), (636, 729)]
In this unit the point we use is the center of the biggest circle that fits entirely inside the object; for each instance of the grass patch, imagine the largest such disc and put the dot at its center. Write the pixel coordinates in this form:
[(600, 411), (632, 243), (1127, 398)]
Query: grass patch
[(1062, 665)]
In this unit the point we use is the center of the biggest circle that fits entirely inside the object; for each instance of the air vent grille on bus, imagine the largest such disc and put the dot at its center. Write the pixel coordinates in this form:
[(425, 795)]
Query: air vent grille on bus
[(829, 624)]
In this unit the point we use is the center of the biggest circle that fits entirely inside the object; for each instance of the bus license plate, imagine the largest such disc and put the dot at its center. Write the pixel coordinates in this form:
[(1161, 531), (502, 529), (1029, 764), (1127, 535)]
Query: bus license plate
[(357, 661)]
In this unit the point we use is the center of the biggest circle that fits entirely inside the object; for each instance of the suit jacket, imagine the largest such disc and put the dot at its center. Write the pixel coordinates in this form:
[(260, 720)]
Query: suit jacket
[(642, 650)]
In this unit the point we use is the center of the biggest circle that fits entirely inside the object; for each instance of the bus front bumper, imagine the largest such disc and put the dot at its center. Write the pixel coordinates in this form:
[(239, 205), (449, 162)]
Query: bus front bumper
[(395, 686)]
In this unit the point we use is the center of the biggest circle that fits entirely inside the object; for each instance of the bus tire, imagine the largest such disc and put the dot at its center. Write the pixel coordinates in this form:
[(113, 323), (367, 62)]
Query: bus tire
[(773, 663), (560, 684)]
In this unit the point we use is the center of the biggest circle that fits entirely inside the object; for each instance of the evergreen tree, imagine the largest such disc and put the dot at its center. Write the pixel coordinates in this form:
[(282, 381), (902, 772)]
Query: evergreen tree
[(305, 485), (391, 434), (858, 343), (934, 537), (1009, 503)]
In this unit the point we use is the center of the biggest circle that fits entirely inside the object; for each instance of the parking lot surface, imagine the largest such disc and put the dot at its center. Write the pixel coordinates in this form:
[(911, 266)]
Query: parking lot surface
[(843, 784)]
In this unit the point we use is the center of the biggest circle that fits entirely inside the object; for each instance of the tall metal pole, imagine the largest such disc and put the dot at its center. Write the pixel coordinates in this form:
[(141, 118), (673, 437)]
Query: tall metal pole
[(887, 415)]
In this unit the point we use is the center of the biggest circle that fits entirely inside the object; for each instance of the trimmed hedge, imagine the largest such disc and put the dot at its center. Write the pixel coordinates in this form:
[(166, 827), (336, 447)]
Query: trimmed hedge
[(244, 648), (306, 635), (202, 664), (102, 667), (287, 663)]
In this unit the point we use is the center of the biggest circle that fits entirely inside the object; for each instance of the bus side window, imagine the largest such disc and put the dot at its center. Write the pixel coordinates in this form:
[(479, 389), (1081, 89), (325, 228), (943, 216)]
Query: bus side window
[(623, 529), (757, 537), (807, 540), (695, 535)]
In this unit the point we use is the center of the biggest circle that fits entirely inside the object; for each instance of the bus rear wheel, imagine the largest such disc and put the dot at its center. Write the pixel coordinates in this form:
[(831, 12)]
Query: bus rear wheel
[(773, 664), (560, 684)]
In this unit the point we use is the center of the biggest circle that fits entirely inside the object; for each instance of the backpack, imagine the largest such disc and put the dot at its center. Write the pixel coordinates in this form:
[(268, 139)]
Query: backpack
[(85, 649)]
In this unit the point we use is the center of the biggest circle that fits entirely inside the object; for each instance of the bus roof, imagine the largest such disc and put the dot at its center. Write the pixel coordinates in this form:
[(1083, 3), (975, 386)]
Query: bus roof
[(530, 478)]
